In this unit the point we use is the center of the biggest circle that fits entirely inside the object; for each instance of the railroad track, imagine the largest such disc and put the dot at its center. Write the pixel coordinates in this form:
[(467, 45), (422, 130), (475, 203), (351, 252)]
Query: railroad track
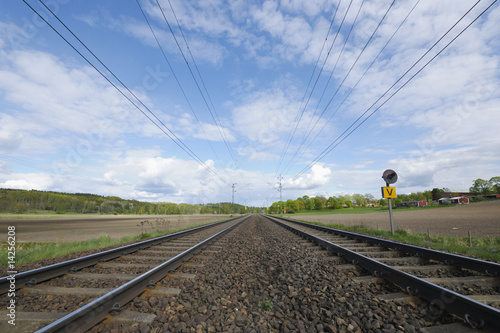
[(467, 287), (75, 295), (257, 277)]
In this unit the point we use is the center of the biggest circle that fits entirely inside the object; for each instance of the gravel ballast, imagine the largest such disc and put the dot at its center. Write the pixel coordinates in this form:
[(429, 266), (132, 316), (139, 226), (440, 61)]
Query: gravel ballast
[(264, 279)]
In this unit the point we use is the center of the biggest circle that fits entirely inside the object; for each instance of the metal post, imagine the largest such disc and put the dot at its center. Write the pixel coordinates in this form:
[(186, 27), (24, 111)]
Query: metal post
[(470, 239), (390, 213), (232, 201), (281, 197)]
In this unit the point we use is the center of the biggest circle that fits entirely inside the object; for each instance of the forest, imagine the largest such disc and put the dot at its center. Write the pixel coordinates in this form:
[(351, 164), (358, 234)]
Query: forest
[(14, 201)]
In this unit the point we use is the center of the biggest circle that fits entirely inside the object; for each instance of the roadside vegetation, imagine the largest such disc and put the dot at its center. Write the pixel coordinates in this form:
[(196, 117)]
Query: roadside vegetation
[(479, 191), (33, 202), (487, 248), (363, 210), (32, 251)]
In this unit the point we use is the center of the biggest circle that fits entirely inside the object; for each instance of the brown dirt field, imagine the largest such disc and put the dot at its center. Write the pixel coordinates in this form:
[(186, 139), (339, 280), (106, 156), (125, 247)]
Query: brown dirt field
[(482, 219), (82, 228)]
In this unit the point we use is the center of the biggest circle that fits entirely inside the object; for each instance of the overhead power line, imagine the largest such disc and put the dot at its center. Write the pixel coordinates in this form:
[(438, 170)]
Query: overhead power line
[(362, 76), (206, 99), (341, 137), (162, 128), (177, 80), (307, 135), (300, 111)]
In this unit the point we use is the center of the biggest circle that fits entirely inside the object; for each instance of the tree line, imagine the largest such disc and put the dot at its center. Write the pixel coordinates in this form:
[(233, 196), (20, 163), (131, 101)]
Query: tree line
[(485, 187), (33, 201), (479, 188)]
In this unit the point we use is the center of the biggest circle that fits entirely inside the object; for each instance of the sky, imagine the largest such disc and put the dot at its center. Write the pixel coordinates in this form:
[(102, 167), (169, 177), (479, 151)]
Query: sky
[(176, 101)]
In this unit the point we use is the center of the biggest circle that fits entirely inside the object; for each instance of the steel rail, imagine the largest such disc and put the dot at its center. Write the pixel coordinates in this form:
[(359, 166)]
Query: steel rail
[(482, 266), (37, 275), (477, 314), (94, 312)]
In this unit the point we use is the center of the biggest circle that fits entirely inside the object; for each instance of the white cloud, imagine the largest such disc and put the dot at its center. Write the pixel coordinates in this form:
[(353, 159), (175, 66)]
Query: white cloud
[(310, 8), (253, 154), (191, 127), (317, 177), (10, 134), (440, 130), (451, 167), (28, 181)]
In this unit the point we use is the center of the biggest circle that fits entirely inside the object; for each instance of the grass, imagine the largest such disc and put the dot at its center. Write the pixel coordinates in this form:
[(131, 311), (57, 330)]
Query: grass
[(487, 248), (266, 305), (33, 251), (361, 210)]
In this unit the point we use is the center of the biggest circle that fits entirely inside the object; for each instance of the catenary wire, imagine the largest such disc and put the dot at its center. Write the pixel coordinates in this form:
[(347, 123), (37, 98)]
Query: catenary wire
[(333, 70), (363, 75), (213, 111), (309, 129), (164, 129), (177, 80), (343, 80), (197, 84), (322, 68), (333, 145), (217, 119), (296, 120)]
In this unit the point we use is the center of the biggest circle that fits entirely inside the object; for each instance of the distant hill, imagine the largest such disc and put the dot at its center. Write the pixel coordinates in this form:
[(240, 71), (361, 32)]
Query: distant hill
[(33, 201)]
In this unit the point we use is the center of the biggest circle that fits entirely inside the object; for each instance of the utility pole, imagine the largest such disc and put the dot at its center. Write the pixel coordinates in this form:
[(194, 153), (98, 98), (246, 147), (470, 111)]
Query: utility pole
[(281, 197), (232, 201)]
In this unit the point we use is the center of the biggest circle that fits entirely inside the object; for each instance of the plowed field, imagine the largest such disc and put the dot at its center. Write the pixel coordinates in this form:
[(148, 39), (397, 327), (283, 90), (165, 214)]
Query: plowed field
[(482, 219), (83, 228)]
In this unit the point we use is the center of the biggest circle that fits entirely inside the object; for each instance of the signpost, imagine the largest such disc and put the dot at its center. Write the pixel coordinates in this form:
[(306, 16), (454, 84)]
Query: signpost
[(390, 177)]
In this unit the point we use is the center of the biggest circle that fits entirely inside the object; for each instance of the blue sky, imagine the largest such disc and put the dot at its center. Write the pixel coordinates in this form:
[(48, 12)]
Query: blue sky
[(270, 85)]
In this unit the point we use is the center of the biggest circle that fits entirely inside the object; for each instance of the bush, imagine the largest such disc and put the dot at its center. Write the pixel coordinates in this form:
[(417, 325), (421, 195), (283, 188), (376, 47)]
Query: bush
[(478, 199)]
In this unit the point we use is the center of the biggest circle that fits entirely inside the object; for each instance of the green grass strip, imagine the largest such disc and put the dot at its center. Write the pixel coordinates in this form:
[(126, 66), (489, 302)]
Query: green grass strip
[(486, 248)]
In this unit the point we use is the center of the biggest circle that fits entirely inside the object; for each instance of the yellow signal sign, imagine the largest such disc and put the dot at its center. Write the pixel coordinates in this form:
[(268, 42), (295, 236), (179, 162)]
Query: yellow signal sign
[(388, 192)]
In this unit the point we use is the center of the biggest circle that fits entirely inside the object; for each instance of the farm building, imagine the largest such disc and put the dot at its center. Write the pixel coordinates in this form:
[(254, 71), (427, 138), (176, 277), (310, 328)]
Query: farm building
[(454, 201), (420, 203)]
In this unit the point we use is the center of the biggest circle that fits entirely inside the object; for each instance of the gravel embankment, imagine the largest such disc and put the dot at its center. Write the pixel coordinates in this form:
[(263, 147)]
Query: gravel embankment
[(264, 280)]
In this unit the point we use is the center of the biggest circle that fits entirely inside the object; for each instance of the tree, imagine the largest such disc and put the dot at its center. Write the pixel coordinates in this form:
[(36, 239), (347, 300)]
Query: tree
[(308, 203), (427, 195), (292, 206), (481, 186), (403, 197), (348, 203), (333, 203), (437, 194), (413, 197), (300, 204), (19, 208), (276, 207), (336, 204), (318, 203), (369, 198), (359, 199), (495, 184), (382, 202)]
